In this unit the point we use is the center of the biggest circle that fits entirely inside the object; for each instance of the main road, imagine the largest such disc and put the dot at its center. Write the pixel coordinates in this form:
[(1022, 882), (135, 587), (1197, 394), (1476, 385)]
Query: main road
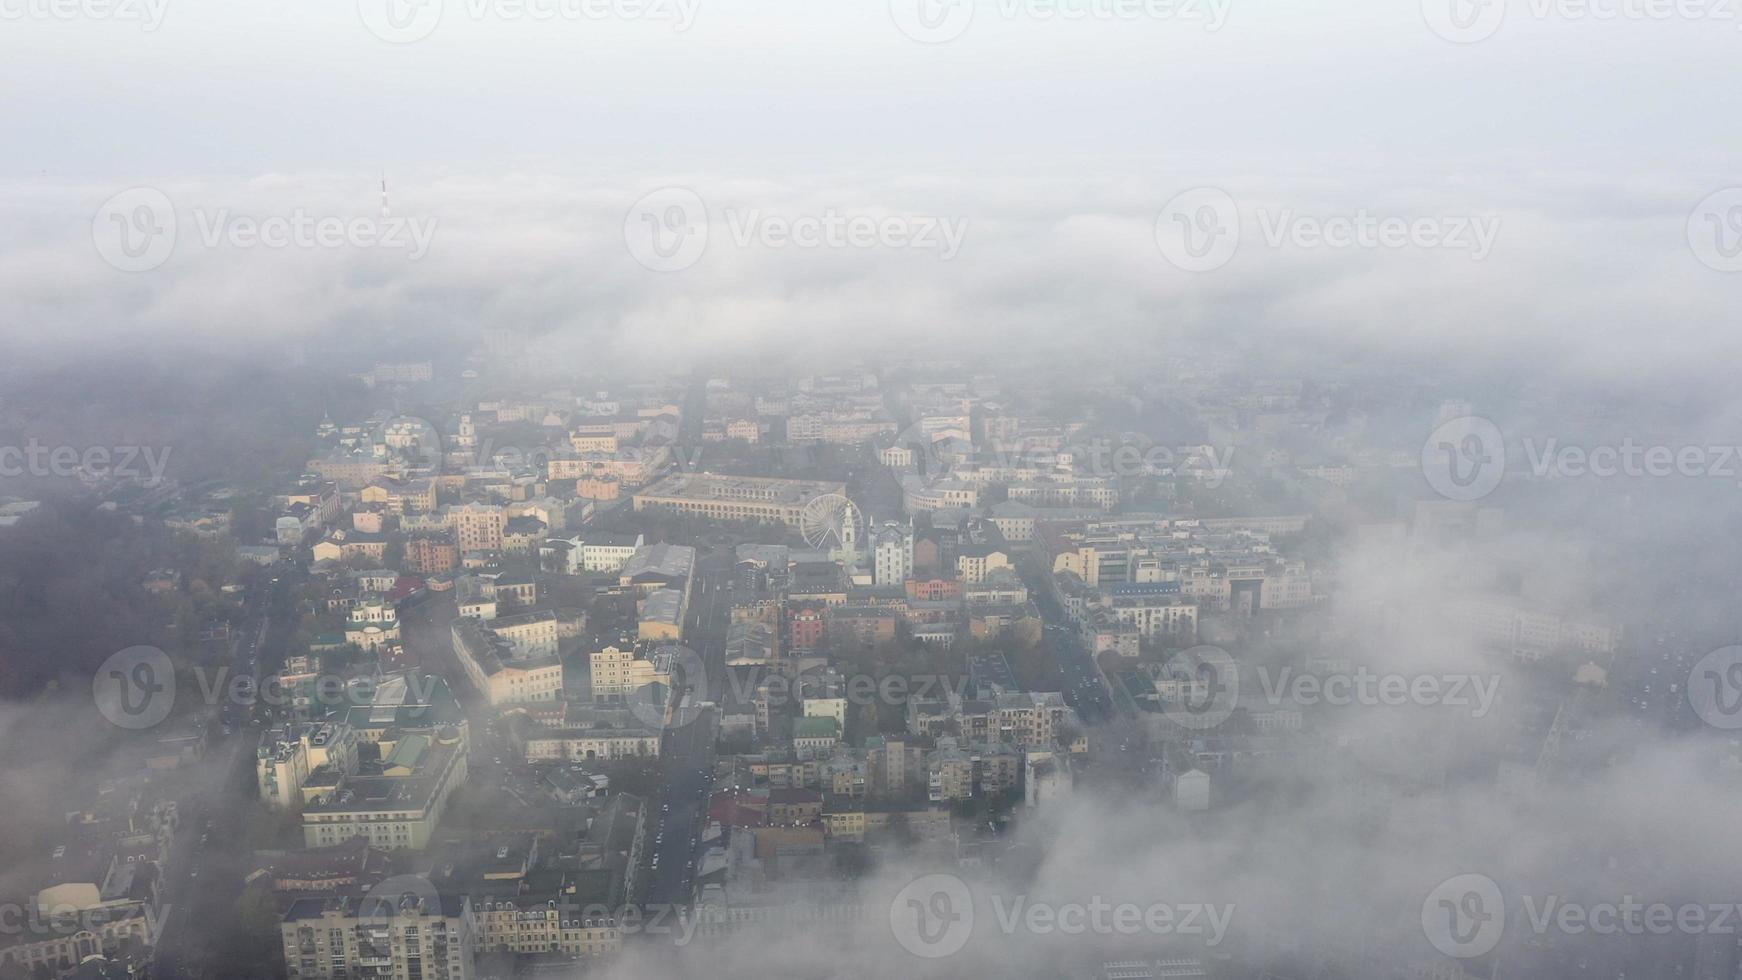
[(687, 748), (202, 878), (1084, 688), (688, 754)]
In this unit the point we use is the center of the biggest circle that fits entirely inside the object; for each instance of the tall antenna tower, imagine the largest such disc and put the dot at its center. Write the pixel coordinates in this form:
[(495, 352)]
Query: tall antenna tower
[(386, 212)]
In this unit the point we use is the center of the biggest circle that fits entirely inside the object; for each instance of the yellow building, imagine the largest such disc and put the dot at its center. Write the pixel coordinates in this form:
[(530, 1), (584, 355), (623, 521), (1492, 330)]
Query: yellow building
[(396, 810), (494, 667), (739, 498)]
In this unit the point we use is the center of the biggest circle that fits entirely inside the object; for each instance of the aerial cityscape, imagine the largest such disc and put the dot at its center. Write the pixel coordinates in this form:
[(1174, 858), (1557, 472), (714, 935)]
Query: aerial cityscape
[(1080, 489)]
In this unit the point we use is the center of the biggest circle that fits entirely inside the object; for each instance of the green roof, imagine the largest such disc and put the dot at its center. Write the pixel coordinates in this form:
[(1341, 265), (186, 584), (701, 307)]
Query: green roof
[(815, 728), (407, 753)]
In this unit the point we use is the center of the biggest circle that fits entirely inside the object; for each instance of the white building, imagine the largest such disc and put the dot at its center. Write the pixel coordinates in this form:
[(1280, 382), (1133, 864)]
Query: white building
[(892, 554), (286, 756), (1191, 790), (1046, 778)]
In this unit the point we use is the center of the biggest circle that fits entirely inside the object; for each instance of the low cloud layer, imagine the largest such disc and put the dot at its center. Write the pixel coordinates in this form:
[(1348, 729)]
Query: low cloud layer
[(1543, 277)]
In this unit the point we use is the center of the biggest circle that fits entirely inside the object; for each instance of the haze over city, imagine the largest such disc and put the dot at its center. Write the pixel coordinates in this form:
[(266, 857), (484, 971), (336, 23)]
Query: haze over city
[(737, 488)]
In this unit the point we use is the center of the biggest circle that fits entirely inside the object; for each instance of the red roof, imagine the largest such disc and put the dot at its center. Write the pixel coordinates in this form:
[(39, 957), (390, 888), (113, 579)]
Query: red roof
[(406, 585), (730, 810)]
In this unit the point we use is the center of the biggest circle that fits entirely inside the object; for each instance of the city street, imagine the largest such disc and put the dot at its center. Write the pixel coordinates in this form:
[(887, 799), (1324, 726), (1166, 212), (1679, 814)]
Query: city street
[(203, 876), (681, 811), (1080, 678)]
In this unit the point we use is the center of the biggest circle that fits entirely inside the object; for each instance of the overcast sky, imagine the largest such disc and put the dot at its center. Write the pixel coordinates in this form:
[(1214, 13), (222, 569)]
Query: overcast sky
[(1055, 142), (224, 87)]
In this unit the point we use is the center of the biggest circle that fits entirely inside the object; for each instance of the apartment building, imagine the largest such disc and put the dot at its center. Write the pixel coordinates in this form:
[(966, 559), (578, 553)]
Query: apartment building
[(409, 937), (961, 771), (492, 663), (619, 672), (1032, 720), (477, 527), (532, 924), (531, 635), (400, 496), (427, 554)]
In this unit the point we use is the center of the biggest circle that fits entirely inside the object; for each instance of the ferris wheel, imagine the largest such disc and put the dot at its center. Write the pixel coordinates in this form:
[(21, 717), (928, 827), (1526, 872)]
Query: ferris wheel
[(829, 521)]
